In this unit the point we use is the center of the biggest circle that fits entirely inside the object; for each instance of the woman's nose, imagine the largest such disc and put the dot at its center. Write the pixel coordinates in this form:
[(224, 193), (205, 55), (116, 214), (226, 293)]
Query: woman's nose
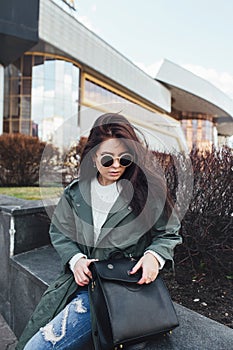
[(116, 163)]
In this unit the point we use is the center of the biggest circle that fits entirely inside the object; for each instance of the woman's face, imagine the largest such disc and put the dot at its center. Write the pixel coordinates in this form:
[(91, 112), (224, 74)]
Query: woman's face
[(115, 148)]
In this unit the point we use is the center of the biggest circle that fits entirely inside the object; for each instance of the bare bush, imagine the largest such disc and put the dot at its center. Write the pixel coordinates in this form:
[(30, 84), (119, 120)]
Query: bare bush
[(72, 160), (207, 227), (20, 159)]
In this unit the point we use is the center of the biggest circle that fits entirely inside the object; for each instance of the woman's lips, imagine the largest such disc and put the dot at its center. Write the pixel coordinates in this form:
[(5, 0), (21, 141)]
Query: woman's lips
[(114, 173)]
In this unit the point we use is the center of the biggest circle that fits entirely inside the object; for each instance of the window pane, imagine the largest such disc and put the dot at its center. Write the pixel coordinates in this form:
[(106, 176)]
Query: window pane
[(15, 68), (49, 75), (6, 108), (15, 86), (25, 127), (15, 126), (6, 126), (26, 107), (27, 66), (14, 107), (26, 88)]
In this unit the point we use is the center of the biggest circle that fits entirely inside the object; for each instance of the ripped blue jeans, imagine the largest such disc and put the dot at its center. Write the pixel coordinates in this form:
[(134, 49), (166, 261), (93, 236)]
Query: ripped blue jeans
[(70, 329)]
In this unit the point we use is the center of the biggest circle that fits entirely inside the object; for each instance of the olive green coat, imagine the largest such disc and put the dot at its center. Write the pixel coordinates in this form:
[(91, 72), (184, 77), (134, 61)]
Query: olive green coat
[(72, 232)]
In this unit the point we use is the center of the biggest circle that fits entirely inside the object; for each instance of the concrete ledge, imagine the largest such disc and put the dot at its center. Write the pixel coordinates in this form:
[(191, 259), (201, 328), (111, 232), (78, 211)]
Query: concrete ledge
[(31, 273), (195, 332), (26, 221), (41, 265), (24, 226)]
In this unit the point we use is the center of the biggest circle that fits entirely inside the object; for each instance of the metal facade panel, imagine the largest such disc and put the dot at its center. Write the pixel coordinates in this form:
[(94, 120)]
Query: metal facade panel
[(19, 18), (179, 77), (64, 32), (18, 28)]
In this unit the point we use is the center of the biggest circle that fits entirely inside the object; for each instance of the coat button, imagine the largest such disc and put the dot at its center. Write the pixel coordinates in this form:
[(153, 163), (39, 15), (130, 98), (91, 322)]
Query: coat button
[(129, 207)]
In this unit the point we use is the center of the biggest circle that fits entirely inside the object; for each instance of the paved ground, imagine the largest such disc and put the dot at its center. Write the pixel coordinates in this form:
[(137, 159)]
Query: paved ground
[(8, 340)]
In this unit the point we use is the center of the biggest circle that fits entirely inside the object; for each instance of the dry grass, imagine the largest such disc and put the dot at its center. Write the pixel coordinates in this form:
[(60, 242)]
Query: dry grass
[(31, 193)]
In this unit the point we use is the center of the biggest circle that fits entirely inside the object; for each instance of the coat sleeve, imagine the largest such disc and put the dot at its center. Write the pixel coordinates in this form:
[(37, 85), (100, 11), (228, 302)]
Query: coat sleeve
[(165, 236), (62, 229)]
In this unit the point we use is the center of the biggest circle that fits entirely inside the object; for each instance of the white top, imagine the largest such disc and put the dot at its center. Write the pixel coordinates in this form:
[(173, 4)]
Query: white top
[(102, 199)]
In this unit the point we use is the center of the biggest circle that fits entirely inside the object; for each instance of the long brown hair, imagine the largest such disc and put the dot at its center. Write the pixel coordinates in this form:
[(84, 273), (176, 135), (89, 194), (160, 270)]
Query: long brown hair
[(144, 175)]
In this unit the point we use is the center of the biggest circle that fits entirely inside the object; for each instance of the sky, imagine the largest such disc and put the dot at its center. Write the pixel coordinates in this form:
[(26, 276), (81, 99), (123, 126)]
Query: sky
[(195, 34)]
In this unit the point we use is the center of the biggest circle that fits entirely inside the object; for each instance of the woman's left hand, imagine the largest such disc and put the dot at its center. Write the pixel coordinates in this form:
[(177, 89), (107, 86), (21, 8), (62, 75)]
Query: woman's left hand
[(150, 268)]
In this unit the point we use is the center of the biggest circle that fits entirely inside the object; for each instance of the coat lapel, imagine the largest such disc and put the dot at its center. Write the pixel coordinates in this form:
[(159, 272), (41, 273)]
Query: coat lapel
[(82, 206)]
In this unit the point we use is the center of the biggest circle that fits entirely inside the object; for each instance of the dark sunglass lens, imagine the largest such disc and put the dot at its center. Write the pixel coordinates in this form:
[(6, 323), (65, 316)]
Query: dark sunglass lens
[(106, 161), (126, 160)]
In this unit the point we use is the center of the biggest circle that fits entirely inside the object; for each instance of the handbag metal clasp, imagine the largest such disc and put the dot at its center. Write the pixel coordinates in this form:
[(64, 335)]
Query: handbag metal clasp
[(92, 286)]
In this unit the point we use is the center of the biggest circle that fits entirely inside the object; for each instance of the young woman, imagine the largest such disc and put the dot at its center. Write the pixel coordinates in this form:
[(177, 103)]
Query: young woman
[(119, 206)]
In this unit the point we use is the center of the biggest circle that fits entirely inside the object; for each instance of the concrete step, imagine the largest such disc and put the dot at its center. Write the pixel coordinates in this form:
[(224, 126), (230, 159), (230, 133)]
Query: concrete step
[(8, 339)]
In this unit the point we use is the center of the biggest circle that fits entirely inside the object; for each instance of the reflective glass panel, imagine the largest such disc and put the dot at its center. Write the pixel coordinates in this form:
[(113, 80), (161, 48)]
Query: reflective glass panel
[(55, 87), (41, 93), (102, 99)]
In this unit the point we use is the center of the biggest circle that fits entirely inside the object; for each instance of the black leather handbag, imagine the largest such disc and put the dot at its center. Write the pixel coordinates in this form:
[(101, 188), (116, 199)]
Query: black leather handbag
[(127, 312)]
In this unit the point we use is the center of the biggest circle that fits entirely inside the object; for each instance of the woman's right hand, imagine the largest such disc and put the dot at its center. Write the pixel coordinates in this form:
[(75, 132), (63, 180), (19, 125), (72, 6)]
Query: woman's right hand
[(82, 274)]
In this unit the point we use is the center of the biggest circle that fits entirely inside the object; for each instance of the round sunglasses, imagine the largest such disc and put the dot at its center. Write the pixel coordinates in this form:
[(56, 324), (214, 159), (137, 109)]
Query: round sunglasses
[(125, 160)]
